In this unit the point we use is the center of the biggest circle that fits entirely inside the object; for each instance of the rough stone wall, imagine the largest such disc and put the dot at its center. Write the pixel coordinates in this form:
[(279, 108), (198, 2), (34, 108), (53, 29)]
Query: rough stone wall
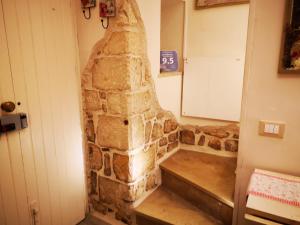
[(217, 138), (127, 132)]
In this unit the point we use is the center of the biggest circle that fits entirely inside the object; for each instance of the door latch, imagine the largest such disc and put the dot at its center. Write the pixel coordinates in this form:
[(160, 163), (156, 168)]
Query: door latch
[(13, 122)]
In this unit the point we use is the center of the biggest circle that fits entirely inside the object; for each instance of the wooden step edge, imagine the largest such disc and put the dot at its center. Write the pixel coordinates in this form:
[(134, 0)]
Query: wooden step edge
[(213, 195), (149, 219), (254, 220), (165, 207)]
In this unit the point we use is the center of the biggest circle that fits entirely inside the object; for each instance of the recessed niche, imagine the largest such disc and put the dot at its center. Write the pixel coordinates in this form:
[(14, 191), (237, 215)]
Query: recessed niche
[(172, 31)]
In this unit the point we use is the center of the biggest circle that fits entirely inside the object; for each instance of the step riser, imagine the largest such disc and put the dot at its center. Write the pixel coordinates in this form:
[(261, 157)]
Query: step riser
[(144, 220), (198, 197)]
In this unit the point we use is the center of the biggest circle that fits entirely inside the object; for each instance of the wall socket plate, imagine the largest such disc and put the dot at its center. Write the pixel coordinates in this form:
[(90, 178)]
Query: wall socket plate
[(271, 129)]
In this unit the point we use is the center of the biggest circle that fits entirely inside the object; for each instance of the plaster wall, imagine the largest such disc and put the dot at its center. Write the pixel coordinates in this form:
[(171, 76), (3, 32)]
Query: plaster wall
[(169, 89), (218, 32), (267, 96)]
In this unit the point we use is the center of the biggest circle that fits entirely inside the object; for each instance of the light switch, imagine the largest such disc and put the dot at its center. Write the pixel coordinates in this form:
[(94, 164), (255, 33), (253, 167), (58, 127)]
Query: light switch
[(276, 129), (271, 129)]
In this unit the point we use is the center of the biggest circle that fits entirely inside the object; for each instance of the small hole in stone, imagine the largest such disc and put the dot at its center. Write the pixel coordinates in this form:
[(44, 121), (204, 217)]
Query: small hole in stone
[(110, 210), (126, 122), (105, 149)]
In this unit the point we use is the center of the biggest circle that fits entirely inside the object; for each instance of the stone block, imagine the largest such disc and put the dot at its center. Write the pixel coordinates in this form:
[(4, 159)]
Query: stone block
[(107, 165), (136, 132), (117, 73), (125, 42), (105, 149), (163, 141), (94, 184), (170, 125), (201, 141), (99, 207), (129, 168), (148, 129), (231, 145), (120, 133), (215, 131), (128, 104), (172, 146), (86, 80), (157, 132), (232, 128), (104, 108), (113, 192), (102, 95), (215, 143), (90, 131), (127, 16), (151, 182), (160, 115), (161, 152), (121, 167), (149, 114), (92, 100), (143, 162), (187, 137), (173, 137), (236, 136), (112, 132), (136, 191), (198, 130), (95, 157)]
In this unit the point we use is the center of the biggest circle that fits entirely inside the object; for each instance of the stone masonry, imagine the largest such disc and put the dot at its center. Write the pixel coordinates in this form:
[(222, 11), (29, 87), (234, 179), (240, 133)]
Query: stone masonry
[(127, 132), (218, 138)]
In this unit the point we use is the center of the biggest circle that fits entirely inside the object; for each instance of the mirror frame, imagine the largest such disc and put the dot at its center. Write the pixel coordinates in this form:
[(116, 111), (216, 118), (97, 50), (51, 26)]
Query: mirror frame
[(289, 36)]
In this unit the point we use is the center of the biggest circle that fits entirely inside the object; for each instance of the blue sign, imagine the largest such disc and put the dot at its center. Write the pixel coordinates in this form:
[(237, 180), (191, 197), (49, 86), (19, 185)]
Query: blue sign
[(168, 61)]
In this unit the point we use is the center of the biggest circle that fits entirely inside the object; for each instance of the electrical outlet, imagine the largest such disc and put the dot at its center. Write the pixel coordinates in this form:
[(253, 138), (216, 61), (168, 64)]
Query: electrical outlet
[(271, 129)]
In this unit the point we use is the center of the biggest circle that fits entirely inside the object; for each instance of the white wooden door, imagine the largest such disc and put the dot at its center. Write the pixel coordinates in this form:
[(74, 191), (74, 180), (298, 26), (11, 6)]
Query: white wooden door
[(42, 166)]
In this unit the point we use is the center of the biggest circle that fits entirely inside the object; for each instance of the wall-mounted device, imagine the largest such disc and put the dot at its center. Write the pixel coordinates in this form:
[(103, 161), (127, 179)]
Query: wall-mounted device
[(271, 129), (87, 5), (107, 9), (13, 122)]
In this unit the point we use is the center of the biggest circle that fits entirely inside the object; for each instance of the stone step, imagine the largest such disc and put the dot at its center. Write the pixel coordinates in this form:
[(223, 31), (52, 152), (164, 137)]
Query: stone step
[(205, 180), (163, 207)]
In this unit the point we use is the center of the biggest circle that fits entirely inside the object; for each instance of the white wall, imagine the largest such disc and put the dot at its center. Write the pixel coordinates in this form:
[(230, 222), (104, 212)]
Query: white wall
[(213, 32), (218, 31), (168, 88), (215, 36), (267, 96)]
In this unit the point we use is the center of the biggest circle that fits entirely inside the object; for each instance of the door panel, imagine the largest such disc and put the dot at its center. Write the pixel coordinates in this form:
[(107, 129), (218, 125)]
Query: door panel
[(2, 217), (43, 62), (12, 185)]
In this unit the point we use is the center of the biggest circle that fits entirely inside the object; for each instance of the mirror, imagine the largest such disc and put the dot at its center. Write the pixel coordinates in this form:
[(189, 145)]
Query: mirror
[(290, 48)]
